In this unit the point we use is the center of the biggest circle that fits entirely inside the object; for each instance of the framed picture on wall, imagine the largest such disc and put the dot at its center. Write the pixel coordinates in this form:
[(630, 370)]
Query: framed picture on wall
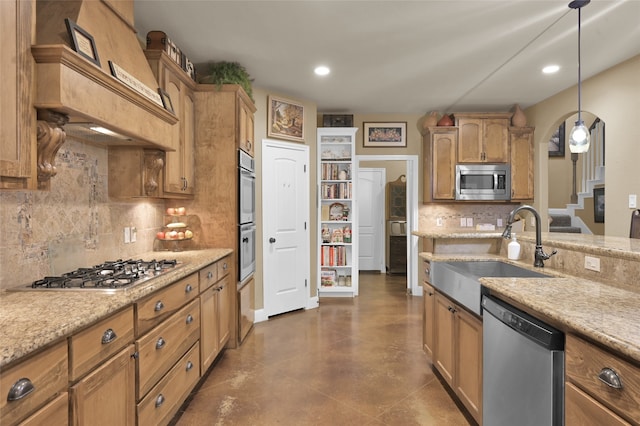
[(285, 119), (598, 205), (386, 135), (556, 143)]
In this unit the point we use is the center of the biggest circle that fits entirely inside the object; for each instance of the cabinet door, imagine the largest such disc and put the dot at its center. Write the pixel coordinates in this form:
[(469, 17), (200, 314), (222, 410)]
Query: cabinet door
[(444, 165), (521, 144), (224, 311), (470, 148), (245, 129), (107, 395), (189, 139), (428, 319), (17, 133), (443, 355), (208, 328), (582, 410), (468, 361), (495, 140)]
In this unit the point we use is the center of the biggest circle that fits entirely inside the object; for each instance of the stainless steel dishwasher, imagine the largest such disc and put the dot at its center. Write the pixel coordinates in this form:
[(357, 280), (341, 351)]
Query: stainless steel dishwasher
[(523, 368)]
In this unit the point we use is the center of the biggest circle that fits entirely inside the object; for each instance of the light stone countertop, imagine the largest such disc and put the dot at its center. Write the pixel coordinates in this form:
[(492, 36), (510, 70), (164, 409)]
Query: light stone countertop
[(31, 320), (603, 313)]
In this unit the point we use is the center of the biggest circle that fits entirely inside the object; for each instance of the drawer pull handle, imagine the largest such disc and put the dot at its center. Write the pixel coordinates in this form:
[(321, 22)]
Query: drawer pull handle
[(189, 319), (210, 275), (609, 377), (188, 288), (160, 343), (224, 266), (159, 400), (108, 336), (20, 389), (189, 365), (159, 306)]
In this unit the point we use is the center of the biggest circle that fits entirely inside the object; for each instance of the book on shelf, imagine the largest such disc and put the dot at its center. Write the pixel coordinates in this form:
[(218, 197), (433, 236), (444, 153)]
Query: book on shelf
[(328, 277)]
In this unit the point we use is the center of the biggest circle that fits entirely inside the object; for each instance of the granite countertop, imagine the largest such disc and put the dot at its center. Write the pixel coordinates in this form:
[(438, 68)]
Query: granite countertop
[(34, 319), (601, 312)]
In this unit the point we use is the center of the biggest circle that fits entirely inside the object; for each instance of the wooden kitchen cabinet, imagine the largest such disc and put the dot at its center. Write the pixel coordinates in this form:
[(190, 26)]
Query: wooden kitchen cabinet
[(18, 130), (179, 169), (428, 319), (483, 137), (521, 157), (55, 413), (457, 352), (586, 393), (245, 128), (47, 372), (215, 308), (439, 149), (106, 396)]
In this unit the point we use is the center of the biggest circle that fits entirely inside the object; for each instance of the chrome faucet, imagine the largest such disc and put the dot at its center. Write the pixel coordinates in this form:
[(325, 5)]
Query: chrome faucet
[(540, 256)]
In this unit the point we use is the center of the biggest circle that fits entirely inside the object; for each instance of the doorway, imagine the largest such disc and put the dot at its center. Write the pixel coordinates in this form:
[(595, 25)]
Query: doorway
[(371, 202), (411, 165), (286, 239)]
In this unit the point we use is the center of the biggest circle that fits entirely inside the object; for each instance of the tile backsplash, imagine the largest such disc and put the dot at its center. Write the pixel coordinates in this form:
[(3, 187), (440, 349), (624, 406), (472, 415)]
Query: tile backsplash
[(73, 224), (450, 215)]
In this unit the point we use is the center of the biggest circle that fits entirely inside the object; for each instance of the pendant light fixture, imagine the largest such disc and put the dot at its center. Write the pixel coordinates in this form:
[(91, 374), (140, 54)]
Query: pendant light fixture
[(579, 137)]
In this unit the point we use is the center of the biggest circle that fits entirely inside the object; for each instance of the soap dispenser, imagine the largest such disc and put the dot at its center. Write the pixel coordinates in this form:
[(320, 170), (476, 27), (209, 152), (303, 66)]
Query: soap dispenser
[(513, 249)]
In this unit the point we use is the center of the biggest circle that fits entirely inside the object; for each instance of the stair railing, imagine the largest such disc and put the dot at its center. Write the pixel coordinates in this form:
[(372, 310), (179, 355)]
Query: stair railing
[(591, 162)]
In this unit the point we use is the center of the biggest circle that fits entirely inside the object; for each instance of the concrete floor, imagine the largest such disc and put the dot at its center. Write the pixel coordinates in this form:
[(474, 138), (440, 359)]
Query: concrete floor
[(352, 361)]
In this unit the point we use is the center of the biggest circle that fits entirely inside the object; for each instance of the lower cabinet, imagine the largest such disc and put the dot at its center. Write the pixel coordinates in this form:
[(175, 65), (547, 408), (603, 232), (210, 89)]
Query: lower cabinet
[(55, 413), (582, 410), (428, 319), (214, 323), (457, 352), (107, 395)]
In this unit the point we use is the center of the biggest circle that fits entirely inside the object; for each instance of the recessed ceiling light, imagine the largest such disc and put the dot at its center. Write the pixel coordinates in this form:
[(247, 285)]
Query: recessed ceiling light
[(322, 70), (550, 69)]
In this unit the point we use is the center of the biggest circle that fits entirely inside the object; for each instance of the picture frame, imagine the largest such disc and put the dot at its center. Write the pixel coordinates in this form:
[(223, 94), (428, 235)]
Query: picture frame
[(385, 134), (82, 42), (166, 100), (557, 142), (598, 205), (285, 119)]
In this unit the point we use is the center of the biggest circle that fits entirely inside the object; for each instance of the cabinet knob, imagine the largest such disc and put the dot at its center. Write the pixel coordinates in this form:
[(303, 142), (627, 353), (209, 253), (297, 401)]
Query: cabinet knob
[(189, 366), (188, 288), (20, 389), (609, 377), (108, 336), (159, 400), (189, 319), (159, 306), (160, 343), (225, 266), (210, 275), (135, 355)]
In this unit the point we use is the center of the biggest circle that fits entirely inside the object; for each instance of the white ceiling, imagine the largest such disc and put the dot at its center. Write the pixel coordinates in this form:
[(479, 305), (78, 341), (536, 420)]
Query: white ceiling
[(402, 56)]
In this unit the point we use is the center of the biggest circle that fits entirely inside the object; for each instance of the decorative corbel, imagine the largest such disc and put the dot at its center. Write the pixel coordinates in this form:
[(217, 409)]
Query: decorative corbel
[(153, 163), (51, 136)]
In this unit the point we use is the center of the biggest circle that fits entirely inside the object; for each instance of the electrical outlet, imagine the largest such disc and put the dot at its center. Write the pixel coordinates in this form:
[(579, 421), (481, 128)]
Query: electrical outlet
[(633, 201), (592, 263), (470, 222), (134, 234), (499, 223), (127, 235), (463, 222), (438, 221)]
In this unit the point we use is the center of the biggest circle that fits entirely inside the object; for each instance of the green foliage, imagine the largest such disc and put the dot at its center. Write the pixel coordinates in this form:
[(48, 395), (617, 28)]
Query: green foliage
[(223, 72)]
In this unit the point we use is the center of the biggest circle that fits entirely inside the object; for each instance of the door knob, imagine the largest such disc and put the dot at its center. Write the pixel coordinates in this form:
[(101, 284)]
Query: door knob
[(272, 240)]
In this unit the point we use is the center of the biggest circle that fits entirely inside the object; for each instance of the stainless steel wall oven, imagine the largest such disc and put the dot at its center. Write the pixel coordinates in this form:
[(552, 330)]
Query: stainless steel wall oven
[(246, 213)]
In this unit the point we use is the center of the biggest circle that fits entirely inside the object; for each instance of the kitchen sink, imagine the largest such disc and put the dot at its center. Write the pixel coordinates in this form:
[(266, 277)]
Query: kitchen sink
[(460, 280)]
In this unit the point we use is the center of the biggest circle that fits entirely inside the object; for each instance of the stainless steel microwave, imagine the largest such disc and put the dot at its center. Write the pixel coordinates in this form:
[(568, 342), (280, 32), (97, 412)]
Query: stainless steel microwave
[(483, 182)]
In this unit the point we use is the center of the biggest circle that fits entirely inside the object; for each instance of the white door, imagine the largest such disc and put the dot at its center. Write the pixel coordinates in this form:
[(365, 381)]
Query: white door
[(371, 219), (285, 219)]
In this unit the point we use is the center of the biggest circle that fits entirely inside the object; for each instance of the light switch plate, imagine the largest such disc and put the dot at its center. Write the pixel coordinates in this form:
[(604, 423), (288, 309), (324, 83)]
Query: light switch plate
[(127, 235), (592, 263), (438, 221), (134, 234), (633, 201), (463, 222), (499, 223), (470, 222)]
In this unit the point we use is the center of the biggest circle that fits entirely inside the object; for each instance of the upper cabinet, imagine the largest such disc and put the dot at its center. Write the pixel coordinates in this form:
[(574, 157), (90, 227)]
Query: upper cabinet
[(440, 146), (178, 179), (483, 137), (18, 130), (245, 128), (521, 147)]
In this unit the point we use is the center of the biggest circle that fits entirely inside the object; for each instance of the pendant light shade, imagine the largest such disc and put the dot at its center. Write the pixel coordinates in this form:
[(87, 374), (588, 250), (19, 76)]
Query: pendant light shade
[(579, 138)]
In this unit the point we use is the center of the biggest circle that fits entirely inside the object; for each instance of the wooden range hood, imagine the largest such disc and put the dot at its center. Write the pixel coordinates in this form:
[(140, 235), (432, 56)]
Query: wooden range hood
[(72, 93)]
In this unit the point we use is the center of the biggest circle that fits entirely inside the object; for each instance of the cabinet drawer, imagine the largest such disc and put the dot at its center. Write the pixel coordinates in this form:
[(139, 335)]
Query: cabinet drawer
[(160, 349), (224, 265), (47, 371), (584, 362), (582, 410), (164, 400), (160, 305), (97, 343), (55, 413), (208, 276)]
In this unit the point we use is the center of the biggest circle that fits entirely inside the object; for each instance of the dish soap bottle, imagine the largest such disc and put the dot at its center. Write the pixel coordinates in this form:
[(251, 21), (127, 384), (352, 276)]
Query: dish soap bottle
[(513, 249)]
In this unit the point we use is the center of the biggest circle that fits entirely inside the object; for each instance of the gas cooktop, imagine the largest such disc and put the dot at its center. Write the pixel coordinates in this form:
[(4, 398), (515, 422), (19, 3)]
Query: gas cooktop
[(109, 276)]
